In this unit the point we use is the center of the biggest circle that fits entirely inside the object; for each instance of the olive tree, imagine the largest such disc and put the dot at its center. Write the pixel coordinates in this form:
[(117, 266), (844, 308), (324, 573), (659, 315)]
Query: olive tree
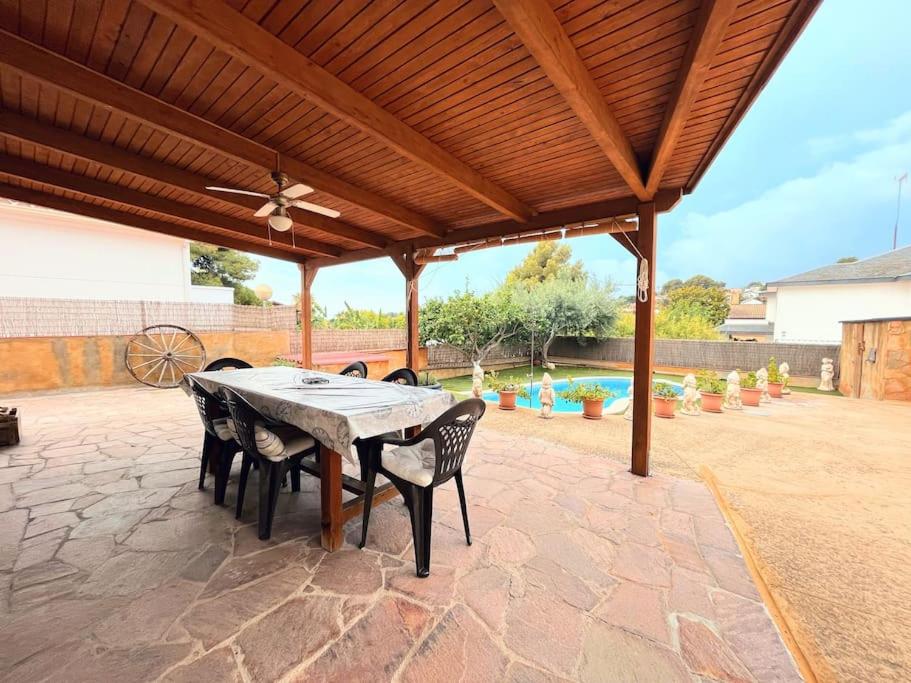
[(470, 323)]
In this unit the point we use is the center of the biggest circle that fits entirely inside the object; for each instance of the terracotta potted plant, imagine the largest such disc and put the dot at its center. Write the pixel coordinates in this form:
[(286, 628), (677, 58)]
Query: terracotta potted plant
[(665, 399), (507, 391), (591, 396), (711, 389), (749, 394), (776, 383)]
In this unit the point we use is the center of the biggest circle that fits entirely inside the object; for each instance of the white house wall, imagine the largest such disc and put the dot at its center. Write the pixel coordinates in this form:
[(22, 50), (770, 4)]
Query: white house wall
[(51, 254), (811, 313)]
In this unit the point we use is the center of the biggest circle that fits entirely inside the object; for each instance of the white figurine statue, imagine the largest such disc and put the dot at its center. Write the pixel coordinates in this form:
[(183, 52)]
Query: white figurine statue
[(690, 396), (477, 381), (762, 383), (732, 392), (547, 396), (826, 375), (784, 370), (628, 414)]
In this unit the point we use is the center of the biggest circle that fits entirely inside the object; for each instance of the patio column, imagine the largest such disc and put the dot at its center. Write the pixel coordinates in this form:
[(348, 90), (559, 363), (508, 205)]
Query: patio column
[(308, 274), (644, 352), (412, 272)]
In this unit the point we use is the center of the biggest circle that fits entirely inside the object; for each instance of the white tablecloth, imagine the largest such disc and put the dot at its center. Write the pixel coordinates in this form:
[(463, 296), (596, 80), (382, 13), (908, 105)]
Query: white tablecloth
[(335, 413)]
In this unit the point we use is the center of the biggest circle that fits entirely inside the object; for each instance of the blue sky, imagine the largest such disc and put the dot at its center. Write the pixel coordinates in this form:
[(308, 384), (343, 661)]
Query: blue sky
[(808, 176)]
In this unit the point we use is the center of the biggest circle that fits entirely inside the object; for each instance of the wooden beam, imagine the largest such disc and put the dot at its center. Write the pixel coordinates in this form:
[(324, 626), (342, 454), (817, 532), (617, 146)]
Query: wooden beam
[(38, 173), (794, 25), (411, 269), (132, 220), (596, 212), (714, 19), (48, 137), (246, 41), (534, 22), (308, 275), (643, 349), (32, 61)]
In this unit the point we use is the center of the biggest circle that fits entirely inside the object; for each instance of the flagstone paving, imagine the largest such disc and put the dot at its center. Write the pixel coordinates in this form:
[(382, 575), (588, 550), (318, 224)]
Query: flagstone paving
[(113, 566)]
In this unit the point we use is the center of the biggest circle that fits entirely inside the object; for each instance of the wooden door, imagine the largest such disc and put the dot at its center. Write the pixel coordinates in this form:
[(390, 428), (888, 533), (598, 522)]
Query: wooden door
[(870, 363)]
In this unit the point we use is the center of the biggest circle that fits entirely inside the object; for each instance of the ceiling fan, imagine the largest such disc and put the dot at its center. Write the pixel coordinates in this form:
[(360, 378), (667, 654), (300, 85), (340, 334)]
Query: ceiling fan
[(279, 202)]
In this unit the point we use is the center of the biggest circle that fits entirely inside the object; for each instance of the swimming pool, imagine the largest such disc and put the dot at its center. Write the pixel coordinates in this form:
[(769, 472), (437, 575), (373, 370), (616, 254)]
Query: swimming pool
[(619, 386)]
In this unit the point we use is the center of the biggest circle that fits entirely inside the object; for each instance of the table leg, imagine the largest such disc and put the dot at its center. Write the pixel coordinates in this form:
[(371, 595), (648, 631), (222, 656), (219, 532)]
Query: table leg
[(330, 491)]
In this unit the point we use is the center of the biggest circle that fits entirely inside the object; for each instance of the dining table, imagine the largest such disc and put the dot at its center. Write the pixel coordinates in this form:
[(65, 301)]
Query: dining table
[(336, 410)]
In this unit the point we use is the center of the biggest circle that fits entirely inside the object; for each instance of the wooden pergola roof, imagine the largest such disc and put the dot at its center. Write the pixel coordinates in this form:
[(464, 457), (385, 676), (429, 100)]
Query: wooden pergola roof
[(424, 122)]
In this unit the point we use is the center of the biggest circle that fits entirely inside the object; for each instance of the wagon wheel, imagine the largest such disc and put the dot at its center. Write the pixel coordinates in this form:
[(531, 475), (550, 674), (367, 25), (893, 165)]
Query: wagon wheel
[(161, 355)]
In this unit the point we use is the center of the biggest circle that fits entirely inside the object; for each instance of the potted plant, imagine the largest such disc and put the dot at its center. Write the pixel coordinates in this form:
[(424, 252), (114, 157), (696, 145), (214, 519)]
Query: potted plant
[(591, 396), (749, 394), (665, 399), (507, 391), (776, 382), (428, 381), (711, 389)]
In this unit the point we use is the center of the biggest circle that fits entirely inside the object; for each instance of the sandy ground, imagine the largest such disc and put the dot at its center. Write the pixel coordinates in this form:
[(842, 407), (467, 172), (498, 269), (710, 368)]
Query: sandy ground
[(821, 484)]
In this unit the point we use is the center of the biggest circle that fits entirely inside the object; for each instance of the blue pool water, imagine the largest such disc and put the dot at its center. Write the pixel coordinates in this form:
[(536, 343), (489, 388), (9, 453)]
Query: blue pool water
[(618, 385)]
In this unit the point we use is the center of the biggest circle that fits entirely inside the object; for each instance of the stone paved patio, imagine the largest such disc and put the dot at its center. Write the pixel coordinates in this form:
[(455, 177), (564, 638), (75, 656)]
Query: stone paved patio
[(114, 567)]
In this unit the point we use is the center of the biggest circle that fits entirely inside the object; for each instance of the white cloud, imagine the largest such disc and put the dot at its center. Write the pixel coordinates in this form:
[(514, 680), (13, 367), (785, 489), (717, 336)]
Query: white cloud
[(847, 208), (896, 131)]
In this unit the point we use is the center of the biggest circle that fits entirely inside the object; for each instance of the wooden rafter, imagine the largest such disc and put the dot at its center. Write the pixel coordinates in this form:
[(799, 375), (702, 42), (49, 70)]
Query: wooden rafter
[(132, 220), (232, 32), (61, 73), (49, 137), (47, 175), (714, 18), (534, 22)]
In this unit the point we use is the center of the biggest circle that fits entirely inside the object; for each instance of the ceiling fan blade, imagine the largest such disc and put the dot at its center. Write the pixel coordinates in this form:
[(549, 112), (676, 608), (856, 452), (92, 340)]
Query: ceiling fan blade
[(316, 208), (298, 190), (234, 191), (265, 209)]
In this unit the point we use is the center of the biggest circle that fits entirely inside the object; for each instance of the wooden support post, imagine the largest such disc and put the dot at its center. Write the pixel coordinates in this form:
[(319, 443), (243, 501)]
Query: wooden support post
[(644, 353), (412, 272), (308, 274)]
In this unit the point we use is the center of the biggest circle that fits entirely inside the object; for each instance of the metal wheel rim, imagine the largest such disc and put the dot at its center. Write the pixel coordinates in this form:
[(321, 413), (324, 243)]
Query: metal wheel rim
[(160, 355)]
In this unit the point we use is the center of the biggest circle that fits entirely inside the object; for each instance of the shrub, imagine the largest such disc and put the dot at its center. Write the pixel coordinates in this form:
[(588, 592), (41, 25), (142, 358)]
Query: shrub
[(426, 379), (748, 381), (664, 390), (774, 375), (494, 383), (576, 393), (708, 382)]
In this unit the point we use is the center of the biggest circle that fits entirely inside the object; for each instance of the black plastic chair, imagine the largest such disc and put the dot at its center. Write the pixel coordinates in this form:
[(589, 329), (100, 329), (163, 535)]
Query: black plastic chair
[(357, 369), (272, 469), (227, 364), (405, 376), (218, 444), (449, 436)]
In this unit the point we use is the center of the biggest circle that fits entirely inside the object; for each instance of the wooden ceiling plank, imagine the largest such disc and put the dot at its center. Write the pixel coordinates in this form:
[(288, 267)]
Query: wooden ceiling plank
[(47, 175), (24, 129), (63, 74), (541, 32), (69, 204), (252, 45), (714, 18)]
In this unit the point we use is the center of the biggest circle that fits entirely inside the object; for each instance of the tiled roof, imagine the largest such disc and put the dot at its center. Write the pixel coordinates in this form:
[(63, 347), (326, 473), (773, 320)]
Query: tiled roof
[(893, 265), (747, 311)]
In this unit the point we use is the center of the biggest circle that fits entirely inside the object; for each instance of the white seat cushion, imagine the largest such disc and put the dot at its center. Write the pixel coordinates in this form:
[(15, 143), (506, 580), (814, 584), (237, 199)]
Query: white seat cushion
[(412, 463), (279, 443), (222, 430)]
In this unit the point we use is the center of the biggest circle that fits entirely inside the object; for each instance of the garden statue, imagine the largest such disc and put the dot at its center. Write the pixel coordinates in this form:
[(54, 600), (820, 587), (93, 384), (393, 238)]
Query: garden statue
[(826, 374), (762, 383), (546, 396), (628, 415), (690, 396), (732, 392), (477, 381), (784, 370), (549, 366)]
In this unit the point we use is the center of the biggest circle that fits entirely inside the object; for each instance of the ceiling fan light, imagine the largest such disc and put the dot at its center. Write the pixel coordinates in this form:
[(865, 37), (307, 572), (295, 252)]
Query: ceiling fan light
[(280, 222)]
